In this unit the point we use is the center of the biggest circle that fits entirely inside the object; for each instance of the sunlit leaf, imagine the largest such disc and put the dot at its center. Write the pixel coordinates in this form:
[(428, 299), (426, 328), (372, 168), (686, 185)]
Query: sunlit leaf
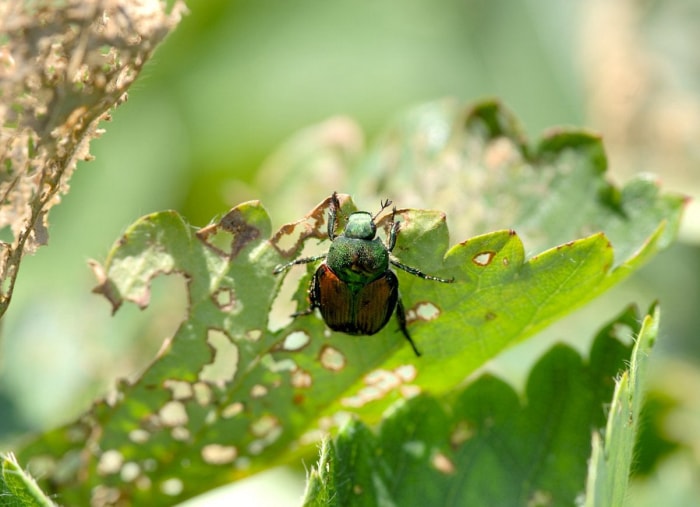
[(241, 387)]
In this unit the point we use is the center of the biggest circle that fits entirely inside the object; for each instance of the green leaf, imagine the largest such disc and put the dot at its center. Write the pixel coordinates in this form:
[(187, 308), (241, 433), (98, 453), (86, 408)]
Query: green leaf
[(17, 488), (241, 387), (489, 445), (611, 461)]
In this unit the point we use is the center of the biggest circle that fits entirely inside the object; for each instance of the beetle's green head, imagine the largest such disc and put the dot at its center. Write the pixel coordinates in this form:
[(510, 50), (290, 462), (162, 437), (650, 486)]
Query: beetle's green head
[(360, 226)]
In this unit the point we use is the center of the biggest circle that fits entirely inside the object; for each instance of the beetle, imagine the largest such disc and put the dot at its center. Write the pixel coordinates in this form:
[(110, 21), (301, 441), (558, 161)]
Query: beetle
[(354, 288)]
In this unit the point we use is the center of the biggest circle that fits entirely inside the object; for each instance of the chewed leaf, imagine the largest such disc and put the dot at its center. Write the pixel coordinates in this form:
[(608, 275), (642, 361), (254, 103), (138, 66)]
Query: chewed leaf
[(241, 386), (474, 164)]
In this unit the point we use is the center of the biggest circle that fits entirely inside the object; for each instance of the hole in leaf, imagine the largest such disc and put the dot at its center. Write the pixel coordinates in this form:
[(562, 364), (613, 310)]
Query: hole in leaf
[(225, 299), (289, 237), (139, 436), (211, 417), (380, 382), (258, 391), (426, 311), (301, 379), (180, 389), (332, 359), (409, 391), (442, 463), (407, 372), (202, 393), (224, 363), (110, 462), (216, 454), (296, 340), (268, 429), (232, 410), (253, 335), (173, 414), (180, 433), (483, 258), (130, 471), (171, 487), (264, 425), (382, 379), (276, 366), (284, 304), (103, 495)]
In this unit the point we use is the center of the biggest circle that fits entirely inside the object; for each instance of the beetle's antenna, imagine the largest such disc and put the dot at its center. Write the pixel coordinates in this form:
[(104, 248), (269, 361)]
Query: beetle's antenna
[(384, 205)]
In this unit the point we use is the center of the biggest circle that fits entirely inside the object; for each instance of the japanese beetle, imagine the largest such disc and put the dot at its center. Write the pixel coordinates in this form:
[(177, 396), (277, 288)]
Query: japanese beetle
[(354, 288)]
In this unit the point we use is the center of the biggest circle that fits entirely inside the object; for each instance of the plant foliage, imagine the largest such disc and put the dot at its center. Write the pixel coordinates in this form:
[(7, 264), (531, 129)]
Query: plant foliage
[(238, 389)]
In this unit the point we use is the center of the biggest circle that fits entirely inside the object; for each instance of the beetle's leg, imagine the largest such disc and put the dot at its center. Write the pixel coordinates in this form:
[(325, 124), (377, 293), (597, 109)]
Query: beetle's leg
[(394, 227), (304, 260), (401, 317), (332, 214), (419, 273)]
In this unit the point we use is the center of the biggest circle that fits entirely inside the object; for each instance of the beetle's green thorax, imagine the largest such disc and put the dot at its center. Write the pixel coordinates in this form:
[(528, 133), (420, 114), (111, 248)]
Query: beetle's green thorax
[(357, 261), (360, 226)]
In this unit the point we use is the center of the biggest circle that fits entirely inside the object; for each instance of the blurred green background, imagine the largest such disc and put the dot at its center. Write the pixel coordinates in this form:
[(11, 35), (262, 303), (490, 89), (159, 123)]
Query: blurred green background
[(237, 78)]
